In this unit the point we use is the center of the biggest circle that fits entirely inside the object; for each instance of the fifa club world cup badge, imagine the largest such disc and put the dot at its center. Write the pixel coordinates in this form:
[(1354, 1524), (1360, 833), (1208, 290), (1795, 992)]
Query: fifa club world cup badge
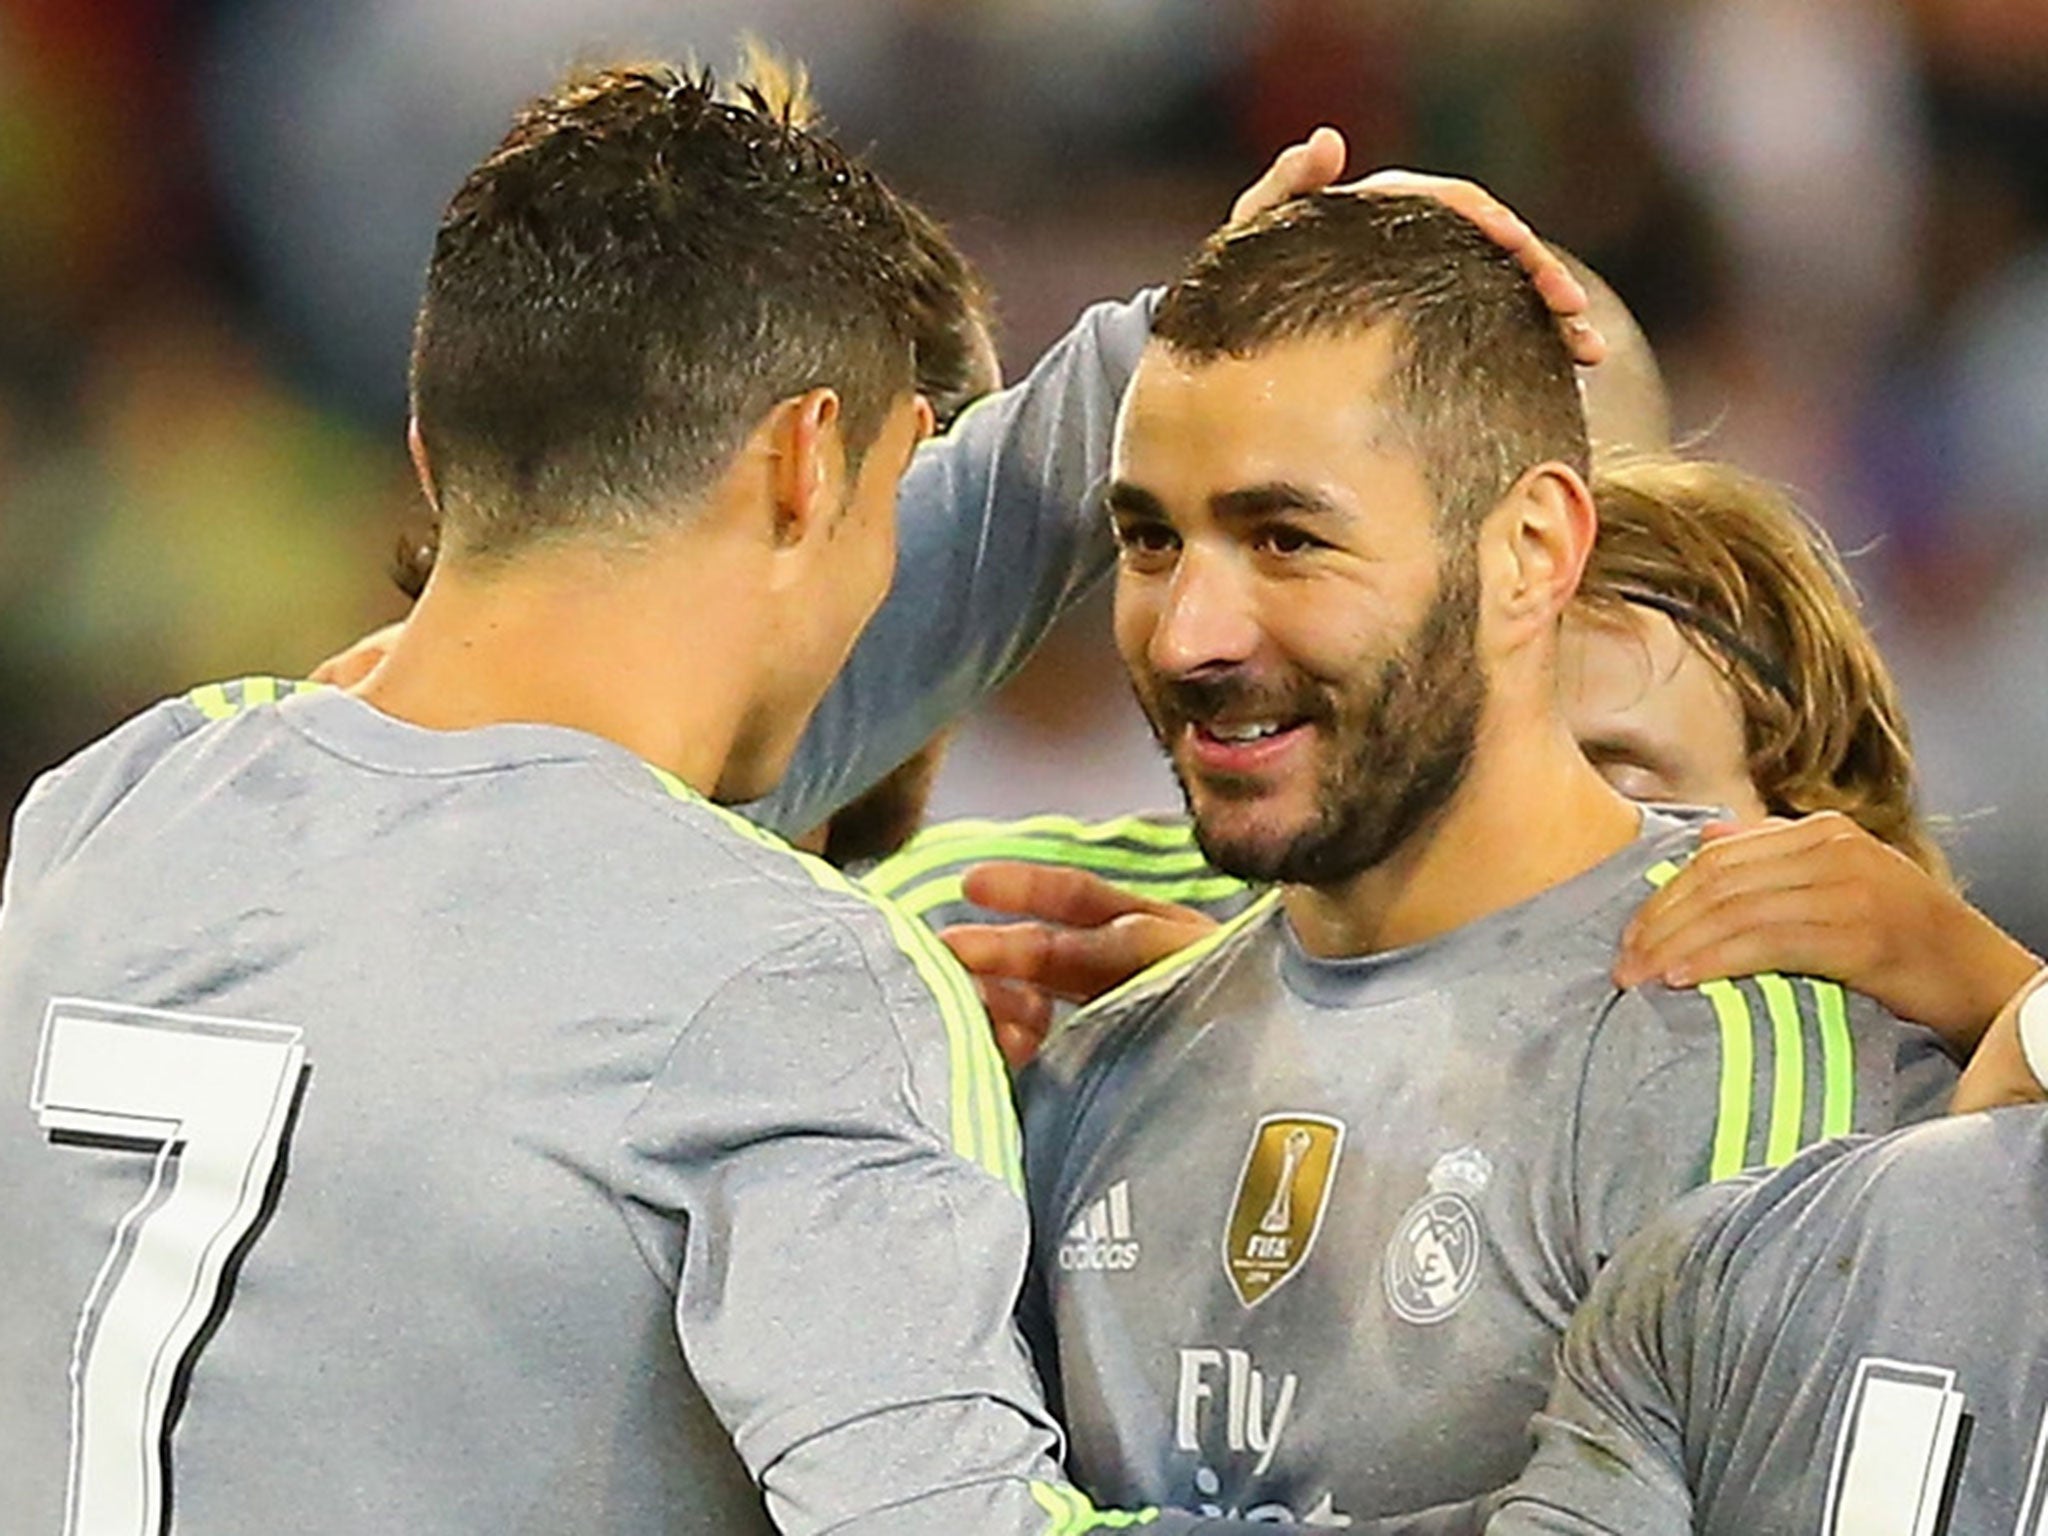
[(1433, 1260), (1282, 1193)]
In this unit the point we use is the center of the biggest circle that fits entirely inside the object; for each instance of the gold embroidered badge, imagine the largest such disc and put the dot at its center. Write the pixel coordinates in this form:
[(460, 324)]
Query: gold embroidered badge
[(1281, 1196)]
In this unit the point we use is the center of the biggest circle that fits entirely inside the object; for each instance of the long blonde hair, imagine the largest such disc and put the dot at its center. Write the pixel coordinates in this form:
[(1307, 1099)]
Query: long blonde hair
[(1761, 590)]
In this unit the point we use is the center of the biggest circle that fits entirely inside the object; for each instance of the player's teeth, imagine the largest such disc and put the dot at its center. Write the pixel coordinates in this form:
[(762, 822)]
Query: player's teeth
[(1251, 732)]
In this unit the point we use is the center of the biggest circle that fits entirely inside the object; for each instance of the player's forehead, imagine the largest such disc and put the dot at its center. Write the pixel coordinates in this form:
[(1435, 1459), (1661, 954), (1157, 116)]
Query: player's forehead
[(1307, 412), (1635, 677)]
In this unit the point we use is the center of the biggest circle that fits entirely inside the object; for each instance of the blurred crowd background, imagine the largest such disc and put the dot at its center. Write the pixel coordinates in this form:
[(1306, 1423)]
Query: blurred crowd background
[(1831, 215)]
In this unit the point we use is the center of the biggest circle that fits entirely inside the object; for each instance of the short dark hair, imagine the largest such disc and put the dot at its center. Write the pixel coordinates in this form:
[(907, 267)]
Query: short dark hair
[(628, 283), (951, 322), (1482, 388)]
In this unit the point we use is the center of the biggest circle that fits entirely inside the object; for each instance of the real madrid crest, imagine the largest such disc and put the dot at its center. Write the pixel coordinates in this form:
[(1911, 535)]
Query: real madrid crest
[(1433, 1260), (1282, 1193)]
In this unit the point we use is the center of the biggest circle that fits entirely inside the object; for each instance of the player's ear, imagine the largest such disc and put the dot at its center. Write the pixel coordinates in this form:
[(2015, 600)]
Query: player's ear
[(1533, 549), (416, 445), (807, 466)]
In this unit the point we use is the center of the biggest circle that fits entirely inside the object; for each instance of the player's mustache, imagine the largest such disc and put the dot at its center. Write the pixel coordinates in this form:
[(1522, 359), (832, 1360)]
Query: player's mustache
[(1238, 695)]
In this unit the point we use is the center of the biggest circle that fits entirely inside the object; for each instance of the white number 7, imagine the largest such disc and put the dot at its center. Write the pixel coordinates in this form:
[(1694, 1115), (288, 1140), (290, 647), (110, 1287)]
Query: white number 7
[(210, 1100)]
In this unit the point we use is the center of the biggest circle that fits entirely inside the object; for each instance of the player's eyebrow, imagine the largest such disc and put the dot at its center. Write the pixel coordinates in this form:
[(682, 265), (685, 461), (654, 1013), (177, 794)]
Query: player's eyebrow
[(1247, 503), (1272, 497), (1125, 499)]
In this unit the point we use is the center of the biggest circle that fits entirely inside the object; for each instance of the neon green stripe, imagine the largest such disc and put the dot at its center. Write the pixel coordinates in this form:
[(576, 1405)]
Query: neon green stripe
[(1788, 1069), (1838, 1060), (919, 901), (1208, 888), (1738, 1064), (1073, 1515), (1053, 1501), (212, 701), (915, 862), (1120, 829), (982, 1121), (1661, 875)]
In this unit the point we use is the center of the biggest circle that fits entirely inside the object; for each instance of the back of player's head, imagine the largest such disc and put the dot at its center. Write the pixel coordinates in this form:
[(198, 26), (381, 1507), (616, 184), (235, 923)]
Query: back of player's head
[(950, 321), (628, 283), (1628, 404), (1760, 590), (1482, 389)]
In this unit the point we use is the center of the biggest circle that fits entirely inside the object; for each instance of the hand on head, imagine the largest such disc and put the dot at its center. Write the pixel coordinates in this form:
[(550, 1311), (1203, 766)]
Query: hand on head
[(1315, 163)]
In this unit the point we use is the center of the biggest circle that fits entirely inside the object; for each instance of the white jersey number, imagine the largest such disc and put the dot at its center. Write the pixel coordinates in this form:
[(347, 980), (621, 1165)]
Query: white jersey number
[(209, 1101), (1897, 1457)]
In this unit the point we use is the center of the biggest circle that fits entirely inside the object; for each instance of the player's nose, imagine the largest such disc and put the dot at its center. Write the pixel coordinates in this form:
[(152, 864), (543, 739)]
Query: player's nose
[(1208, 617)]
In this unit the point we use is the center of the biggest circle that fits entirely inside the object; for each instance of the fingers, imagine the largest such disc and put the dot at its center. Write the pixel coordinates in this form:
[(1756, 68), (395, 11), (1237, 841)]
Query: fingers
[(1300, 168), (1075, 963), (1736, 865), (1018, 951), (1785, 931), (1053, 894), (1068, 963), (346, 668), (1563, 293), (1716, 831), (1020, 1017), (1762, 898), (1314, 165)]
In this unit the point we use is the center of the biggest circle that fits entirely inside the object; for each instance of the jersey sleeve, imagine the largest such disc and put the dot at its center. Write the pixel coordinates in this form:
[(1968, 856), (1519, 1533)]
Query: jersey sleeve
[(998, 534), (1684, 1087), (1610, 1445), (847, 1272)]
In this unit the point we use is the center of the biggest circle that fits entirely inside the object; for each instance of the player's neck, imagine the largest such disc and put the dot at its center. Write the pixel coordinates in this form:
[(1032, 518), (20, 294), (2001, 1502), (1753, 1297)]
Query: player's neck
[(653, 650), (1530, 815)]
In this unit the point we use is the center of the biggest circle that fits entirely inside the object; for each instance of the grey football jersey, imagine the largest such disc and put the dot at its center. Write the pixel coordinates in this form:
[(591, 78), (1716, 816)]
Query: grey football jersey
[(1856, 1345), (999, 531), (1307, 1231), (1148, 855), (478, 1132)]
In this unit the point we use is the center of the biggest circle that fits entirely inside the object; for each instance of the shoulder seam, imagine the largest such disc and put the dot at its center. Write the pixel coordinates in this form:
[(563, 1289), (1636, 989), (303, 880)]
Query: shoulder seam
[(1180, 960)]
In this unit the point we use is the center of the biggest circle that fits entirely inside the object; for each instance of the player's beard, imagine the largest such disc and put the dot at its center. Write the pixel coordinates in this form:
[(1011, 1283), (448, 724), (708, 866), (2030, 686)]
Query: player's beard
[(1395, 744)]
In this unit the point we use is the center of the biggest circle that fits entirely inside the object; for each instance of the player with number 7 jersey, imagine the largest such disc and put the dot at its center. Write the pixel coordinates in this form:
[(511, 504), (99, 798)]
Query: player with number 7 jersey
[(319, 1219), (315, 1222)]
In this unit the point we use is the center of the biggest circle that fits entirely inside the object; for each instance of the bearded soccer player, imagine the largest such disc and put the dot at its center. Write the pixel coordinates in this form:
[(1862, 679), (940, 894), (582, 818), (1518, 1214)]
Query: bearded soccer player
[(1313, 1203)]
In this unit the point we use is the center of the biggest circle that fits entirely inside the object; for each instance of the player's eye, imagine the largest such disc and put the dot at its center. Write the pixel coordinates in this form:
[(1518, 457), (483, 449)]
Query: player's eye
[(1138, 537), (1286, 539), (1629, 775)]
